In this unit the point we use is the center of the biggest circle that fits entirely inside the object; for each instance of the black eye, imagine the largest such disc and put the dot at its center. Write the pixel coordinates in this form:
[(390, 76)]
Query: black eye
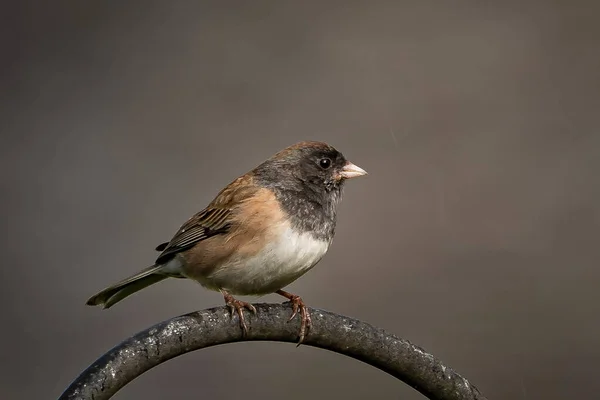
[(325, 163)]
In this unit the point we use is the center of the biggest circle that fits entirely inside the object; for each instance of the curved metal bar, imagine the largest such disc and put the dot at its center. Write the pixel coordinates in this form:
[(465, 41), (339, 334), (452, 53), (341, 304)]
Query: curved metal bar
[(211, 327)]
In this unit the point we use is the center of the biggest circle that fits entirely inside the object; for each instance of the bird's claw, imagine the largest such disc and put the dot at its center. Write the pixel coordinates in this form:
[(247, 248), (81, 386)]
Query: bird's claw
[(305, 320), (237, 306)]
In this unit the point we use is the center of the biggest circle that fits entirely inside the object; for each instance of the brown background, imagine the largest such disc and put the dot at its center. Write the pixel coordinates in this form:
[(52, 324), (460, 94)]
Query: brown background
[(475, 234)]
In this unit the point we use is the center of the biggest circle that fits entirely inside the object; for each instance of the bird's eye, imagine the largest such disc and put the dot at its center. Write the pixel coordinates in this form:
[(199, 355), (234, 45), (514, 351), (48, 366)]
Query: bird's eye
[(325, 163)]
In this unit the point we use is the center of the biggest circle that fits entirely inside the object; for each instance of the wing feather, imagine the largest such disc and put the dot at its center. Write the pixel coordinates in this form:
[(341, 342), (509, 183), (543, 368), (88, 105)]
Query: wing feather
[(213, 220)]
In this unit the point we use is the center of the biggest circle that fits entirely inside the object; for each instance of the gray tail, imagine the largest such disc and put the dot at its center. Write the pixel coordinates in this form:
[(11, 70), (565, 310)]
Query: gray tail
[(117, 292)]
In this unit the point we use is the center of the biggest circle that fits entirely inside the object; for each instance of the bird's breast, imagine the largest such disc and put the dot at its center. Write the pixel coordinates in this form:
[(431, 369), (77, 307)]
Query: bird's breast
[(280, 262)]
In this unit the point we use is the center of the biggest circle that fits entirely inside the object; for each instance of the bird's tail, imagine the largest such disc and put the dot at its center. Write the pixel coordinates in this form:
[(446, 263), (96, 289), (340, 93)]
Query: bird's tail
[(117, 292)]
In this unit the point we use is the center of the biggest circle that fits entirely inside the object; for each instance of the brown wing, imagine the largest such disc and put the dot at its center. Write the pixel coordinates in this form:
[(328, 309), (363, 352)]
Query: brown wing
[(211, 221)]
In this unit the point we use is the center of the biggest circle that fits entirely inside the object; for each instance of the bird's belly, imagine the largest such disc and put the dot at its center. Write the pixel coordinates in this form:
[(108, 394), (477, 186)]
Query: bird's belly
[(280, 263)]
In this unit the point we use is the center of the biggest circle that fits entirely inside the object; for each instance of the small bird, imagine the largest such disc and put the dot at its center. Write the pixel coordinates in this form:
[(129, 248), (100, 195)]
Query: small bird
[(261, 233)]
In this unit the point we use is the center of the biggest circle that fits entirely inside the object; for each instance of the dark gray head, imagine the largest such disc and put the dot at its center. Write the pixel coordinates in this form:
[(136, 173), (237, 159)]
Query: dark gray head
[(308, 178)]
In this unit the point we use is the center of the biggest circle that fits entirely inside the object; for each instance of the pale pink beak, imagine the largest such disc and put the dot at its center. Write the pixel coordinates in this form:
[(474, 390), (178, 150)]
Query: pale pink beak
[(351, 171)]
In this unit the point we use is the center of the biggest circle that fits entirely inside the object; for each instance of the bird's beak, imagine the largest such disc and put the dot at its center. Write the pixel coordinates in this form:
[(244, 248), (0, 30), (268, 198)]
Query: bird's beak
[(351, 171)]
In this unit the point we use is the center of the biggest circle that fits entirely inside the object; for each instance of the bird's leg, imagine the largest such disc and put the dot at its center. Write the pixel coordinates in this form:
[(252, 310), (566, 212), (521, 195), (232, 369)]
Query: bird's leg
[(298, 304), (238, 306)]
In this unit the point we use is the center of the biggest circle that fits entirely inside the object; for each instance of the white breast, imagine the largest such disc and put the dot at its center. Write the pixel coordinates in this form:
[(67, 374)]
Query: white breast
[(279, 264)]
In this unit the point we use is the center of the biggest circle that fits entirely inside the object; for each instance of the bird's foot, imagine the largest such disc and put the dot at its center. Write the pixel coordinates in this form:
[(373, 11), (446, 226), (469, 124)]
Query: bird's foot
[(298, 305), (237, 306)]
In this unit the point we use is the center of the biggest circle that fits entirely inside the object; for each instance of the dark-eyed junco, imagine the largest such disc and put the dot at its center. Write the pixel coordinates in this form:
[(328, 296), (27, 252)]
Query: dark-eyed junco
[(262, 232)]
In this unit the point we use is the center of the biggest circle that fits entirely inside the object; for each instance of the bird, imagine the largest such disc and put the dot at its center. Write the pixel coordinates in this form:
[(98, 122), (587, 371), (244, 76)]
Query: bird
[(259, 234)]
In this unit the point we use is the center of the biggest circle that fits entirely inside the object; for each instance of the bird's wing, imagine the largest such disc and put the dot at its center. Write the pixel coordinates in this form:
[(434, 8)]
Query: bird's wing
[(213, 220)]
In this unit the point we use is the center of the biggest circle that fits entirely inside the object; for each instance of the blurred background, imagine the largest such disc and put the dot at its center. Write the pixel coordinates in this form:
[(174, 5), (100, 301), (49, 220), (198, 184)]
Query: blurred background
[(475, 235)]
